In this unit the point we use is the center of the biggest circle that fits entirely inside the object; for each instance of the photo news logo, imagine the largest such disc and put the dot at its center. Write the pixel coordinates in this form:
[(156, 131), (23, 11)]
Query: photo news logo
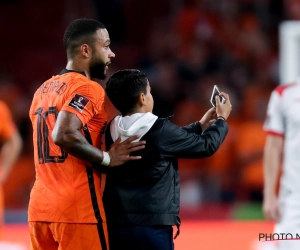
[(278, 236)]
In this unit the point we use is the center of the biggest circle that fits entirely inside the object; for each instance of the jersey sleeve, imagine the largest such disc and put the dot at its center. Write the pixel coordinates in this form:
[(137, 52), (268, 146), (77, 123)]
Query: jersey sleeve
[(85, 101), (274, 122), (7, 126)]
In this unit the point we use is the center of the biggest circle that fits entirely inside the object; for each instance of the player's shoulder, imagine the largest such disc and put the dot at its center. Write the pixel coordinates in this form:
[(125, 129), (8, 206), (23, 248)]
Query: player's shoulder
[(3, 106), (74, 77), (79, 80), (286, 88)]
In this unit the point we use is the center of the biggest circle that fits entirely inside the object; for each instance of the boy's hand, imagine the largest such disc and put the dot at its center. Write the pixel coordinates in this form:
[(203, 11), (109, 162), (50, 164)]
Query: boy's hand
[(208, 119), (223, 109)]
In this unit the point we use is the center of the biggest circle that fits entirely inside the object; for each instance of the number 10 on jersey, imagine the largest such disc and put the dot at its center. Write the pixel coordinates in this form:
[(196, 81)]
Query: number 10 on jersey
[(44, 121)]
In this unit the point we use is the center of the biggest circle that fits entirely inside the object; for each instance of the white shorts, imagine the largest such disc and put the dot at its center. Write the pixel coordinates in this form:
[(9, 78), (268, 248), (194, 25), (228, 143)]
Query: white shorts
[(289, 222)]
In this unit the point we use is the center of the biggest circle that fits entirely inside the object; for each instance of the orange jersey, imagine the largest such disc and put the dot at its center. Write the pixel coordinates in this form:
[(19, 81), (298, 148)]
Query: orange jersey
[(66, 189), (7, 126), (7, 129)]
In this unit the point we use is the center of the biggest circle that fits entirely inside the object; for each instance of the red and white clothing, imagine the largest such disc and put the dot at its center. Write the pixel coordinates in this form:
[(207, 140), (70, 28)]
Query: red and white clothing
[(283, 119)]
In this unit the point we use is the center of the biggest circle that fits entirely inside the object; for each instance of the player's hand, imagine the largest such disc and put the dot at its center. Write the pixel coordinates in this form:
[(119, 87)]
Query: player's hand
[(223, 109), (119, 152), (208, 118), (271, 208)]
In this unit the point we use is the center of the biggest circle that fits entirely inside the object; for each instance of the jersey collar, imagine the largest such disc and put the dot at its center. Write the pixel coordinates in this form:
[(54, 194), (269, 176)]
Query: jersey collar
[(64, 71)]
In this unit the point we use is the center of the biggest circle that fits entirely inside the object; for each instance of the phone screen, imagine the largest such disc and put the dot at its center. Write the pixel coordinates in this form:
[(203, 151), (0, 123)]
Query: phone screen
[(216, 92)]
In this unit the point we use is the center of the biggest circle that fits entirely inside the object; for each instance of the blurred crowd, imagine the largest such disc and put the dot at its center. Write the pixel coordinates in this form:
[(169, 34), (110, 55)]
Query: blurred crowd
[(185, 47)]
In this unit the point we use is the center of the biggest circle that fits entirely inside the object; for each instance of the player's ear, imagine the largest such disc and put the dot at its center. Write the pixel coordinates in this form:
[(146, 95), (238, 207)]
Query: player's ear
[(85, 50)]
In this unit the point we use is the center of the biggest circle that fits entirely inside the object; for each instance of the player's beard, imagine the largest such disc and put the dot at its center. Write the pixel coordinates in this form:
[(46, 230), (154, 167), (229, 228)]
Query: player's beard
[(97, 69)]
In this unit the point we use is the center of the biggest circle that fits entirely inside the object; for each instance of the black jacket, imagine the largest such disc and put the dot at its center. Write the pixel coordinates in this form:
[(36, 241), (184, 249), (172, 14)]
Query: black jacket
[(146, 191)]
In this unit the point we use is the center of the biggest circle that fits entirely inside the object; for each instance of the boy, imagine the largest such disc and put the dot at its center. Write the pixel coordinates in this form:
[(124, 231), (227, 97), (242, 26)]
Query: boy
[(141, 199)]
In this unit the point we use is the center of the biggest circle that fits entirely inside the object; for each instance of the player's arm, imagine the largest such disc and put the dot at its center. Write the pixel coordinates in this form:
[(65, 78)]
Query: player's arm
[(67, 135), (9, 153), (272, 163)]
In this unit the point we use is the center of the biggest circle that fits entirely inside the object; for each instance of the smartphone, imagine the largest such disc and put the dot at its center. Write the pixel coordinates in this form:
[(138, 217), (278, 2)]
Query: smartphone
[(216, 92)]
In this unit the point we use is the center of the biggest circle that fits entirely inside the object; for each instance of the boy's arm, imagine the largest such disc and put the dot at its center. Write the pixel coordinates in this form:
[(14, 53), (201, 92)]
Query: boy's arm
[(193, 128), (206, 121), (177, 142)]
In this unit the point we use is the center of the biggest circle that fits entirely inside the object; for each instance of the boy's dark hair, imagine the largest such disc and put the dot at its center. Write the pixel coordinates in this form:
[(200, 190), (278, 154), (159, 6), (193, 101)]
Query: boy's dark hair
[(78, 32), (124, 87)]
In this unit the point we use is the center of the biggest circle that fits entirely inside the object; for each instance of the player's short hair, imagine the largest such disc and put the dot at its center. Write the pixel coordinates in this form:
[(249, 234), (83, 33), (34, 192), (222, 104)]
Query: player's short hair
[(124, 87), (78, 32)]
